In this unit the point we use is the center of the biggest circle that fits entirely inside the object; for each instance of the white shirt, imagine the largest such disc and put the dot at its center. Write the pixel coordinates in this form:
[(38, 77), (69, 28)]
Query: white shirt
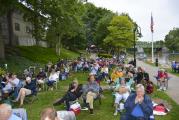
[(15, 81), (53, 77), (105, 70), (94, 70)]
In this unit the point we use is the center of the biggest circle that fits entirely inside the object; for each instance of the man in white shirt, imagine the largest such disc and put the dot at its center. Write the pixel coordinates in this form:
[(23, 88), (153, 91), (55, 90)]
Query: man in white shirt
[(54, 76)]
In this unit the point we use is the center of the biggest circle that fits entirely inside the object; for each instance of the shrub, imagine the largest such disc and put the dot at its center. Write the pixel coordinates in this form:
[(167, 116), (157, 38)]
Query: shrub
[(105, 55), (2, 72)]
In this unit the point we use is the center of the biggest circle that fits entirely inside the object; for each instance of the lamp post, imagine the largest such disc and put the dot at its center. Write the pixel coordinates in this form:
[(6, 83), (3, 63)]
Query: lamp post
[(137, 30)]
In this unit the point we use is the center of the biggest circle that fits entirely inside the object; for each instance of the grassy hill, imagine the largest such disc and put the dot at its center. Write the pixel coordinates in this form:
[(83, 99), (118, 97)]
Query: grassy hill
[(19, 58), (43, 55)]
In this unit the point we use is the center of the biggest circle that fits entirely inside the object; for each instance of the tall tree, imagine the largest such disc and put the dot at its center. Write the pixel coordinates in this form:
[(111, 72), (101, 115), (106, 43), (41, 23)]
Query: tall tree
[(64, 19), (102, 29), (90, 18), (172, 40), (120, 32)]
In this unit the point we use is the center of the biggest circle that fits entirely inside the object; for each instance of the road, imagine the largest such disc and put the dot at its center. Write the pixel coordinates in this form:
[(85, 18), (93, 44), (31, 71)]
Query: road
[(173, 90)]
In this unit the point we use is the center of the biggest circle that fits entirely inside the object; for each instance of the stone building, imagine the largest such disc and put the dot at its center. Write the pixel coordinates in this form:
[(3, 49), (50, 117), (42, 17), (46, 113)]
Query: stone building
[(21, 30)]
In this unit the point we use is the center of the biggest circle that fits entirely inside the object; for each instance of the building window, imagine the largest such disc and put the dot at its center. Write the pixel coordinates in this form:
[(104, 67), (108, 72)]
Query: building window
[(17, 26), (27, 29)]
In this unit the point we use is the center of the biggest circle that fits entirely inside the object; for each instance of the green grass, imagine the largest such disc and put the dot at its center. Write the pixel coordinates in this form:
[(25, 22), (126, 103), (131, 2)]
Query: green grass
[(174, 57), (102, 112), (20, 58), (43, 55), (17, 64)]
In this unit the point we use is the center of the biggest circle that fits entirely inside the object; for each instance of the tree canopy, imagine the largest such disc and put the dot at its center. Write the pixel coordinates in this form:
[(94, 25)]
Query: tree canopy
[(120, 32), (75, 24), (172, 40)]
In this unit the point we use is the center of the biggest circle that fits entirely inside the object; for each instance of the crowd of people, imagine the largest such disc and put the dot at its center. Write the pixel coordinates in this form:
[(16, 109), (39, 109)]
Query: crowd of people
[(129, 86)]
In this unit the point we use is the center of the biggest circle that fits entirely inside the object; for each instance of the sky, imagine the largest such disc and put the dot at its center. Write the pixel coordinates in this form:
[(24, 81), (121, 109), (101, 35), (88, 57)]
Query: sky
[(165, 14)]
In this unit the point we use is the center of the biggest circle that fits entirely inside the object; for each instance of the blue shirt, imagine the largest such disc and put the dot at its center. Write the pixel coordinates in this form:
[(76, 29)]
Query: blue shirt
[(14, 117), (137, 111)]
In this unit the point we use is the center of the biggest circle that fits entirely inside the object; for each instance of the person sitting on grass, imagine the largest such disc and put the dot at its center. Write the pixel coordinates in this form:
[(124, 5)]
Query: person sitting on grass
[(41, 78), (91, 91), (28, 89), (73, 93), (138, 106), (94, 69), (52, 78), (139, 76), (105, 72), (12, 82), (85, 66), (117, 73), (122, 93)]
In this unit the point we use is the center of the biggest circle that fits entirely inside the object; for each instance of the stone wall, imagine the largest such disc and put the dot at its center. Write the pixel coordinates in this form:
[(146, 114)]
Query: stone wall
[(23, 36)]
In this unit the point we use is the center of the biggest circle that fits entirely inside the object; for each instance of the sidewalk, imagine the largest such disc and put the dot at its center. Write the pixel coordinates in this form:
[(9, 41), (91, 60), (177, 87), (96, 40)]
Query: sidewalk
[(173, 90)]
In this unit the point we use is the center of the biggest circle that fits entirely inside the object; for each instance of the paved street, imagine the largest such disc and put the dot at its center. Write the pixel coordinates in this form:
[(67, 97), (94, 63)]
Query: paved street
[(173, 90)]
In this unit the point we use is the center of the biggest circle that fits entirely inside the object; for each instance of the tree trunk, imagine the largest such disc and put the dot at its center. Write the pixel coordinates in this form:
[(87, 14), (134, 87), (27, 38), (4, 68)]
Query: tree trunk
[(2, 51), (10, 27), (58, 45)]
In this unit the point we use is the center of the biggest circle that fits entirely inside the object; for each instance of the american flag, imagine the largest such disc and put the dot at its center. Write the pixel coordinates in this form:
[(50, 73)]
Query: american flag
[(152, 24)]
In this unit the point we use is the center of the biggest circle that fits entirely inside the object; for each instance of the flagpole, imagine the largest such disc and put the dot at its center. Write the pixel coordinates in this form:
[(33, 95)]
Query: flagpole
[(152, 48), (152, 31)]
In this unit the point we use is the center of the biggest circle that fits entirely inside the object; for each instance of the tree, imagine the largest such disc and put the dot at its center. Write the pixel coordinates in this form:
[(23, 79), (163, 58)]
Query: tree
[(64, 20), (91, 16), (172, 40), (102, 29), (120, 33)]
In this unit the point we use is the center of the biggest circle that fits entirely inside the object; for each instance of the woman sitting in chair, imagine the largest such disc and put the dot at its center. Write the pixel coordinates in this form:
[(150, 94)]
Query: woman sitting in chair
[(162, 77), (52, 78), (122, 93), (74, 92), (28, 89)]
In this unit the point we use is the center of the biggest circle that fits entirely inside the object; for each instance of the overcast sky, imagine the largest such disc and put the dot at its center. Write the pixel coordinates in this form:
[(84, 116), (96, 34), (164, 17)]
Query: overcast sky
[(165, 14)]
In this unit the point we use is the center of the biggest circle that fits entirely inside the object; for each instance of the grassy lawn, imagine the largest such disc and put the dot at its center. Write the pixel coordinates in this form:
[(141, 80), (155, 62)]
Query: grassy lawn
[(43, 55), (20, 58), (17, 64), (102, 112), (174, 58)]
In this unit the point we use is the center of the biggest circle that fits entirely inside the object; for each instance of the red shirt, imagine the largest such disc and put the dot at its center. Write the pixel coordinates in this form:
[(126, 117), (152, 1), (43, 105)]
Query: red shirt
[(162, 74)]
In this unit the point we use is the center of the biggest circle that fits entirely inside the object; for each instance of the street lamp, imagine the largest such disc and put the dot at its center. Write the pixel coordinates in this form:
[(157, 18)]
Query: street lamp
[(137, 31)]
